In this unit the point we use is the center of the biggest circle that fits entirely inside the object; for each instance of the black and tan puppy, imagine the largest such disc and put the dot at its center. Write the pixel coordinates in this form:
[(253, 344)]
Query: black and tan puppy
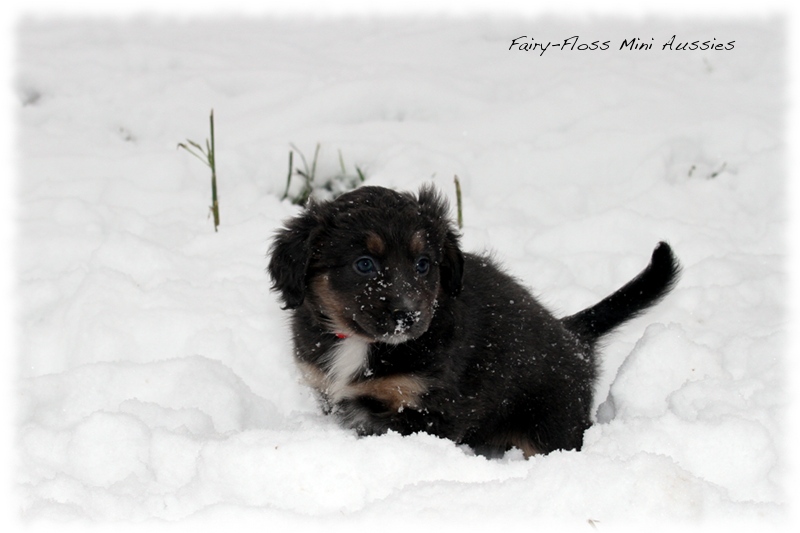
[(397, 329)]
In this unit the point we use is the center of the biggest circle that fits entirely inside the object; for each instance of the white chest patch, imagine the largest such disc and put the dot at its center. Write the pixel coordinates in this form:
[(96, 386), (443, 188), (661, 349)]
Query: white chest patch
[(345, 360)]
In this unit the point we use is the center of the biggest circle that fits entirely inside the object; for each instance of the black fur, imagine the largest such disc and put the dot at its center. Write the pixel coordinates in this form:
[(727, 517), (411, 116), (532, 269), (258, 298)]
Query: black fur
[(458, 349)]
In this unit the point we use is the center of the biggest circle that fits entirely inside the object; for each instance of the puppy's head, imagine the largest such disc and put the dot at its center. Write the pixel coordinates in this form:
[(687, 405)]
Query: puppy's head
[(373, 263)]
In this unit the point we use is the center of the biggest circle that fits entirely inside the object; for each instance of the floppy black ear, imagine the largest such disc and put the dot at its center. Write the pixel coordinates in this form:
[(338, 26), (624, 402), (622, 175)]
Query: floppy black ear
[(290, 254), (435, 208)]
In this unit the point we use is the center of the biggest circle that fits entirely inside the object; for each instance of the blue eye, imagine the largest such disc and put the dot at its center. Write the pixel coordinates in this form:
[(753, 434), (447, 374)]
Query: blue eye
[(365, 266), (423, 265)]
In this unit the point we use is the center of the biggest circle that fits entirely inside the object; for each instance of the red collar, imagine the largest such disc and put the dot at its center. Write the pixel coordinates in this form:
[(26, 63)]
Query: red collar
[(341, 335)]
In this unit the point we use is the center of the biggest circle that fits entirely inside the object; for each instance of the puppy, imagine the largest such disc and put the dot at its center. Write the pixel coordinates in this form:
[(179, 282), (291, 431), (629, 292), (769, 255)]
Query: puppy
[(397, 329)]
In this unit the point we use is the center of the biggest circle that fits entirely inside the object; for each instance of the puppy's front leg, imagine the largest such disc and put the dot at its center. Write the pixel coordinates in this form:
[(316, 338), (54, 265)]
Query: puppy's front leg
[(368, 415)]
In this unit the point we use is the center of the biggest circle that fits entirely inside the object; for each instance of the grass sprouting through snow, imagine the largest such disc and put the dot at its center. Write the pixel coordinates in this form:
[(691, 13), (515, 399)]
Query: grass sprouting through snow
[(330, 187), (458, 202), (208, 157), (307, 173)]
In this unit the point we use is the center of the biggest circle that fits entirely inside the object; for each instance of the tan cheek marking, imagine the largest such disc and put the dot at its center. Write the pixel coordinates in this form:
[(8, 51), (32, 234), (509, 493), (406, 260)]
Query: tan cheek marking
[(397, 392), (326, 297), (375, 244), (417, 244)]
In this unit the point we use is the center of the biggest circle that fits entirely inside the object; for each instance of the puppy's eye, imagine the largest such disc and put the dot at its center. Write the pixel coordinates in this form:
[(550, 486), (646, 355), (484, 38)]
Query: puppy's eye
[(365, 266), (423, 266)]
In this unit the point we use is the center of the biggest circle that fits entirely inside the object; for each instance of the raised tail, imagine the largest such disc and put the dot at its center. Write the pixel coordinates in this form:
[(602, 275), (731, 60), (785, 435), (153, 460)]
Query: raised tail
[(643, 291)]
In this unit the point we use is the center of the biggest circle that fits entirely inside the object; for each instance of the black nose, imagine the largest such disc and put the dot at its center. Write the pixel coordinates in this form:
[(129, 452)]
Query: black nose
[(403, 317)]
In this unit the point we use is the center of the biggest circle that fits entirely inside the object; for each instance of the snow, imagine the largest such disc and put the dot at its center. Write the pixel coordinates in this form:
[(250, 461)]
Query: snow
[(155, 377)]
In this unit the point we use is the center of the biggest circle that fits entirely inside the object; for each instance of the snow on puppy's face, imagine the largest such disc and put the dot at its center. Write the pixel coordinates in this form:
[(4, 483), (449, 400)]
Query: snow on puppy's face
[(370, 264)]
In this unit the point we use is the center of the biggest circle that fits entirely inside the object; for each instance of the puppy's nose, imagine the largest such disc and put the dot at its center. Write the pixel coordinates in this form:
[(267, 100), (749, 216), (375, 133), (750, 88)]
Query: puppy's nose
[(403, 316)]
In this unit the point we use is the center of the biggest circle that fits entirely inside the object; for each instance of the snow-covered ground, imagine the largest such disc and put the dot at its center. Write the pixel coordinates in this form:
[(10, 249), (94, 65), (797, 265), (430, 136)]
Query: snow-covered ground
[(155, 378)]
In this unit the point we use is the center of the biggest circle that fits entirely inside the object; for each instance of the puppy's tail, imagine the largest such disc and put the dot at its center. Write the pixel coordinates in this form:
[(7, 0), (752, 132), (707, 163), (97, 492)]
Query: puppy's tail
[(643, 291)]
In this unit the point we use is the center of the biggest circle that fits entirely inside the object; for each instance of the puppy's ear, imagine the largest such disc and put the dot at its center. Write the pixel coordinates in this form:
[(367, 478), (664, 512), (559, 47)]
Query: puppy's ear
[(290, 254), (435, 208)]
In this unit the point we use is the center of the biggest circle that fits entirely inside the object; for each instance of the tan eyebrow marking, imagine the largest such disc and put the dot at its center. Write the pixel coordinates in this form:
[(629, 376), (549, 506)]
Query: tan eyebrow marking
[(375, 244), (418, 242)]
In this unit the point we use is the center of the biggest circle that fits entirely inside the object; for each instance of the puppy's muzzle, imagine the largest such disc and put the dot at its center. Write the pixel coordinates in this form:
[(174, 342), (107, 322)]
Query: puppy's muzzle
[(402, 322)]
